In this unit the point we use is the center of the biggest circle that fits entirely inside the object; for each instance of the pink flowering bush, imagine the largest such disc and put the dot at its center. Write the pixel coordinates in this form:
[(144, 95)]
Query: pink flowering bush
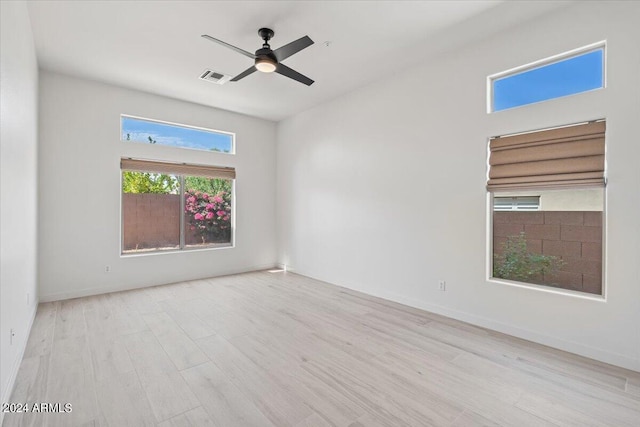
[(209, 216)]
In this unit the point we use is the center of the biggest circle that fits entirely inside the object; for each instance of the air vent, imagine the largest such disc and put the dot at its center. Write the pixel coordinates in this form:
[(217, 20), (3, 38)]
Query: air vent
[(214, 77)]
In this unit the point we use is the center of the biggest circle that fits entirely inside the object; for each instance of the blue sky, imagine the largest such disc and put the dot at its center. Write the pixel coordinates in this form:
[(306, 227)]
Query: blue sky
[(573, 75), (174, 136)]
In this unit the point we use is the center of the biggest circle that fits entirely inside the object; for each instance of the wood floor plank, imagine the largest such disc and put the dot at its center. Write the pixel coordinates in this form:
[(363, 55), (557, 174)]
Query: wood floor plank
[(69, 320), (369, 420), (332, 406), (181, 312), (166, 390), (471, 419), (573, 371), (179, 347), (558, 413), (327, 403), (375, 403), (41, 337), (602, 405), (71, 380), (324, 328), (33, 375), (109, 355), (197, 417), (279, 349), (122, 402), (280, 406), (314, 420), (587, 370), (135, 300), (375, 387), (225, 404), (484, 399), (108, 315), (602, 402)]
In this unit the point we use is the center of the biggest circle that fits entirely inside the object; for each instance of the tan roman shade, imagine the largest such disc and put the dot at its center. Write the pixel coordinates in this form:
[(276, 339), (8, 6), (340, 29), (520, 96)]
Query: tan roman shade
[(568, 156), (178, 168)]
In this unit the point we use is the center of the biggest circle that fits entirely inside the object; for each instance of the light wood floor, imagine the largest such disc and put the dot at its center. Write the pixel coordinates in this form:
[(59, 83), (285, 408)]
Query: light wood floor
[(278, 349)]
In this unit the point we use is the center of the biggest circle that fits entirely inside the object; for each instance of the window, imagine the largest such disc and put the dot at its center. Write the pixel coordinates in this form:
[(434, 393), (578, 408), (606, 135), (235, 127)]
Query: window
[(560, 243), (516, 203), (170, 206), (548, 79), (134, 129)]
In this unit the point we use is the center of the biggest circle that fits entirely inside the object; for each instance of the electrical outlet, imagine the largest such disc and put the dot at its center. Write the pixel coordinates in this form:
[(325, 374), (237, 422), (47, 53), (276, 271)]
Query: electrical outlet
[(13, 334), (442, 285), (107, 268)]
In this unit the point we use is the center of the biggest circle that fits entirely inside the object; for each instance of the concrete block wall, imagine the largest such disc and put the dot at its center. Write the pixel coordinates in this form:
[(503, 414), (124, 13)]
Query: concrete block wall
[(151, 220), (573, 236)]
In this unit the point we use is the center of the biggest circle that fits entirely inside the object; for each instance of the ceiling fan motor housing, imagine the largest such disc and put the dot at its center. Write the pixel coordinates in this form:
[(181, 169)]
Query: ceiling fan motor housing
[(266, 34), (265, 53)]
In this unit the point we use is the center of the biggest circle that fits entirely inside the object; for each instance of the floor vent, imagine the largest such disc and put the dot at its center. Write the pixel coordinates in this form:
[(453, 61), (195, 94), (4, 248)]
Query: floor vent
[(214, 77)]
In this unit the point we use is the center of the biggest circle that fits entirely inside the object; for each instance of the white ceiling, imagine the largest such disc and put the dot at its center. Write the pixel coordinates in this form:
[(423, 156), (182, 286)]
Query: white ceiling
[(155, 46)]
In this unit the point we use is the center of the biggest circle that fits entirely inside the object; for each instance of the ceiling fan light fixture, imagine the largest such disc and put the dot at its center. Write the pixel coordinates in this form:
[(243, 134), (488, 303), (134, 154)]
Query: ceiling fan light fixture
[(265, 64)]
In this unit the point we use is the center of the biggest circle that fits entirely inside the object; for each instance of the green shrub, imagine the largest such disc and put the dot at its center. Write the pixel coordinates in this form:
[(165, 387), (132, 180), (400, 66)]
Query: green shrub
[(516, 263)]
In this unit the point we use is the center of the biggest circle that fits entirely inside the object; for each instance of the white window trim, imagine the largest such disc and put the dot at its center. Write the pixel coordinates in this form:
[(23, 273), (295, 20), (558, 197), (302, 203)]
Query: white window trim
[(183, 249), (163, 122), (532, 286), (546, 61)]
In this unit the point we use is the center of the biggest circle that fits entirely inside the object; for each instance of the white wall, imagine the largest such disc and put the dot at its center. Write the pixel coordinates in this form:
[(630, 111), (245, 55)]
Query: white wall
[(79, 195), (383, 190), (18, 180)]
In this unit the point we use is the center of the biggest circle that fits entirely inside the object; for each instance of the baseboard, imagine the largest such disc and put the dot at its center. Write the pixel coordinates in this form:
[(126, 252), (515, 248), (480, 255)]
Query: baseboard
[(108, 289), (551, 341), (6, 393)]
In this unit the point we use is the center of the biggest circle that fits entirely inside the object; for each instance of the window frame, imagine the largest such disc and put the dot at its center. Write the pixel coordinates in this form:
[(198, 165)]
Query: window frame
[(540, 287), (541, 63), (231, 152), (516, 206), (490, 211), (183, 247)]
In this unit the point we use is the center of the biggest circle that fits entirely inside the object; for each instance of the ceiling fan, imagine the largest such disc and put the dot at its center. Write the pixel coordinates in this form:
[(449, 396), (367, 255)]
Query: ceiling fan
[(267, 60)]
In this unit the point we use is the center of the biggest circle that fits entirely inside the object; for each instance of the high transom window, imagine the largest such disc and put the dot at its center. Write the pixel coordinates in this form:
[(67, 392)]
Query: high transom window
[(563, 75), (134, 129)]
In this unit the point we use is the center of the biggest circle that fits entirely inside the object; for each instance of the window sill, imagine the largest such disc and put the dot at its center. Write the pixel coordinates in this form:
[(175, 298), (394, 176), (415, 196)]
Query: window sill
[(175, 251), (548, 289)]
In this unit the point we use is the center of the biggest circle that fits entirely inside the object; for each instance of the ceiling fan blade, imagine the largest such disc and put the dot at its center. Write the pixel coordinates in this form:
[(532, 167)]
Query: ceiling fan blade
[(244, 74), (230, 46), (293, 47), (292, 74)]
